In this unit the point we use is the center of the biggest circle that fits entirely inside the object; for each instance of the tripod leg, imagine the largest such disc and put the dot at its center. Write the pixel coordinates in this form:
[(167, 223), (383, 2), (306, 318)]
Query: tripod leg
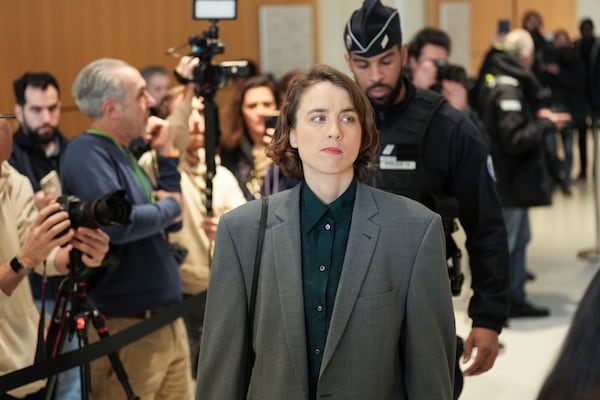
[(81, 322), (59, 328)]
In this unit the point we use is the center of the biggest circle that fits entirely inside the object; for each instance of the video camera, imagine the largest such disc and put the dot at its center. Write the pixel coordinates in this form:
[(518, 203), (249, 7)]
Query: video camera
[(206, 74)]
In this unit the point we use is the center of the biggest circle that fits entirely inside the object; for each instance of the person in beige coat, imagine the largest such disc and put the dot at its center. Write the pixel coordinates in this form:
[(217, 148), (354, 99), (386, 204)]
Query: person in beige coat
[(199, 229), (29, 240), (352, 300)]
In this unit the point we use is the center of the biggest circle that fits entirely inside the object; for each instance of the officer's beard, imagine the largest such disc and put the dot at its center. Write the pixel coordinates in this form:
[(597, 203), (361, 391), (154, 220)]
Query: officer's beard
[(382, 104)]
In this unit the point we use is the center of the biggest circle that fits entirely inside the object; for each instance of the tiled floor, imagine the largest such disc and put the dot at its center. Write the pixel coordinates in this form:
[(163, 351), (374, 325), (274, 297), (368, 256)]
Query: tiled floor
[(559, 233)]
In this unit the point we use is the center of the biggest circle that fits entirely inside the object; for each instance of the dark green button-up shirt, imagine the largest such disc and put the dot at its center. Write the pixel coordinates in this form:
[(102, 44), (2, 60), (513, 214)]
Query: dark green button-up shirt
[(324, 238)]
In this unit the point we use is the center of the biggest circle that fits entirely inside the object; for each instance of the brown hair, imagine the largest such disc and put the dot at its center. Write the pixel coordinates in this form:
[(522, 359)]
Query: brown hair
[(280, 148), (233, 136)]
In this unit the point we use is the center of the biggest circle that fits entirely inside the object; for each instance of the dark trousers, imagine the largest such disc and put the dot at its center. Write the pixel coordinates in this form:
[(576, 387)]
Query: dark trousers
[(193, 323), (582, 130)]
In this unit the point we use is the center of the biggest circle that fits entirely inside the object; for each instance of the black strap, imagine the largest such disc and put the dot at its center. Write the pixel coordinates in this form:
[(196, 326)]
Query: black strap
[(259, 245), (98, 349), (423, 115)]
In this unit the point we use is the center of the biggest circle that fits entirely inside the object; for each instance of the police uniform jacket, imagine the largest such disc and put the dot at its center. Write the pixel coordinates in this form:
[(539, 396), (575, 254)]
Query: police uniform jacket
[(458, 166)]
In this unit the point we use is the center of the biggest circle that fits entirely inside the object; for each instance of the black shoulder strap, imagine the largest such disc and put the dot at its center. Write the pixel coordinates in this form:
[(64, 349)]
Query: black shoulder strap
[(426, 105), (259, 246)]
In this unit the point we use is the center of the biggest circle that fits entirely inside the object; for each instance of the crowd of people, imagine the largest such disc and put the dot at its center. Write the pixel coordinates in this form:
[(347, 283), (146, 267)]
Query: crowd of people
[(364, 180)]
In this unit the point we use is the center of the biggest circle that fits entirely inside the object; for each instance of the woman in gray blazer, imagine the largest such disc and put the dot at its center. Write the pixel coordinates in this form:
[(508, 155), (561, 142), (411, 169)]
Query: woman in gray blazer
[(353, 300)]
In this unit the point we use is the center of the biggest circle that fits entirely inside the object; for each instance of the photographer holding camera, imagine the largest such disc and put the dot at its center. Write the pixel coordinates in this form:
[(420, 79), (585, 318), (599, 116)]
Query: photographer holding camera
[(113, 95), (428, 54), (28, 241)]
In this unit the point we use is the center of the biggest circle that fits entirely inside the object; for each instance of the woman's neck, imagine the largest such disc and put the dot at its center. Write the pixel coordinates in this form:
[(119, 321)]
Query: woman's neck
[(328, 188)]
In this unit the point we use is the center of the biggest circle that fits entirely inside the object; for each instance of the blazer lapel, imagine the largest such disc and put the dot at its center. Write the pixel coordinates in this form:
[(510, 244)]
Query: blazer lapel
[(355, 267), (288, 266)]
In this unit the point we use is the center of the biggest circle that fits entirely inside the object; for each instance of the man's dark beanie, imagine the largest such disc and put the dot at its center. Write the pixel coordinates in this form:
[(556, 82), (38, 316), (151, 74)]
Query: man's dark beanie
[(372, 29)]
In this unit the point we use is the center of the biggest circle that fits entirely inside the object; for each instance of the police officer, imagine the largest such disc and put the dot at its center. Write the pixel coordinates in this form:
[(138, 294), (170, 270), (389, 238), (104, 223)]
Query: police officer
[(433, 153)]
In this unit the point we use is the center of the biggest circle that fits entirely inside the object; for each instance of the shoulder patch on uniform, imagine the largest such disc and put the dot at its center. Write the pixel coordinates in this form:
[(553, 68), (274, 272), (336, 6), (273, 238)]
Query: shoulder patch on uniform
[(388, 149), (510, 105)]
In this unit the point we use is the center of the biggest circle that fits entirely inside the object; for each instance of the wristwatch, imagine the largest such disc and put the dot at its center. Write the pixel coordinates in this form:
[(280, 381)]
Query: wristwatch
[(18, 267)]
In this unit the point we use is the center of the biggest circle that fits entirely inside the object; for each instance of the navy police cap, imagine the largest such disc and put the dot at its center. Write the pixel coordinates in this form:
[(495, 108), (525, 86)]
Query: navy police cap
[(372, 29)]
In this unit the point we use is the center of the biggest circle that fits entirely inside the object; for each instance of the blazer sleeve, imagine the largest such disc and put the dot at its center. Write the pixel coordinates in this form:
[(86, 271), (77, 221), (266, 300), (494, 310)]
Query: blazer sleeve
[(221, 367), (430, 333)]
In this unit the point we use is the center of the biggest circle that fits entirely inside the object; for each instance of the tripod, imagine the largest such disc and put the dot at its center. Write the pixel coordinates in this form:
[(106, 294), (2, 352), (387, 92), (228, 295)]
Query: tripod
[(76, 320)]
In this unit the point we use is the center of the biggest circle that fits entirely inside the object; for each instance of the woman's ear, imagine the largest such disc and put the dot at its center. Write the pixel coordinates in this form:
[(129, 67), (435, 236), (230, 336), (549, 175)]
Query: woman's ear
[(293, 139)]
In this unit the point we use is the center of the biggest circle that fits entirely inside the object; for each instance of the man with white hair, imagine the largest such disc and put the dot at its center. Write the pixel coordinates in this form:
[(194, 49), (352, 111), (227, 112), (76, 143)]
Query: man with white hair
[(510, 105), (114, 96)]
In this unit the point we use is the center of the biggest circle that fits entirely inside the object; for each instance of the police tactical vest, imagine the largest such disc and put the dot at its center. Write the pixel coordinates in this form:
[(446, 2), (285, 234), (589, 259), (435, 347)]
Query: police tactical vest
[(399, 162)]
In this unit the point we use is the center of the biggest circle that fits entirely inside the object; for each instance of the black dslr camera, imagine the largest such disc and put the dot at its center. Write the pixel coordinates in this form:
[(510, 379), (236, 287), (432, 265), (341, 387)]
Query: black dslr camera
[(109, 210), (450, 72)]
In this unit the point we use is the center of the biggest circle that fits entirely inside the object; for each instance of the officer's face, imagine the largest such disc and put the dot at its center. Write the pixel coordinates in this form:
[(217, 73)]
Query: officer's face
[(378, 75)]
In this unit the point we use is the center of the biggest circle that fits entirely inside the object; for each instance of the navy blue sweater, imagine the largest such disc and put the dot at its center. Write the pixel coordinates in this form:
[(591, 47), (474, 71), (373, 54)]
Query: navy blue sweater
[(147, 277)]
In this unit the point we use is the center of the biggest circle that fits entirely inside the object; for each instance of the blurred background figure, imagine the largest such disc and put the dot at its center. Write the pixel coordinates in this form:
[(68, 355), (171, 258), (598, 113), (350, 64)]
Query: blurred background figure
[(587, 47), (533, 23), (510, 110), (194, 241), (243, 148), (158, 83), (429, 68), (284, 82), (564, 73)]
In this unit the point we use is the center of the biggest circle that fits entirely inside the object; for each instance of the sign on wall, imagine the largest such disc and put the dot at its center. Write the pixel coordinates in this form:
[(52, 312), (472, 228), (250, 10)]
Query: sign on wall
[(286, 38)]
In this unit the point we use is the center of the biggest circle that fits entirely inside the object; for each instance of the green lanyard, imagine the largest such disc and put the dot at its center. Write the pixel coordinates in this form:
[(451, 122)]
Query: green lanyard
[(139, 174)]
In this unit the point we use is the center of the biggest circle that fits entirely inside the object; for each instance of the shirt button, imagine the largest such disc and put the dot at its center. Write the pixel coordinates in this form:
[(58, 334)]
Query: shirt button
[(322, 268), (317, 351), (319, 308), (327, 226)]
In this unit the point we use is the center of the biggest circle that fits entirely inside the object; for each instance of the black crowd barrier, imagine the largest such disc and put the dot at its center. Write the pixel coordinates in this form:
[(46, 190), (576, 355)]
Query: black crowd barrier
[(96, 350)]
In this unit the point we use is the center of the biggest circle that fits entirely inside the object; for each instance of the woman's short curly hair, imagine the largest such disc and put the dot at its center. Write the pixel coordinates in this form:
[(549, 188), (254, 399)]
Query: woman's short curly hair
[(287, 157)]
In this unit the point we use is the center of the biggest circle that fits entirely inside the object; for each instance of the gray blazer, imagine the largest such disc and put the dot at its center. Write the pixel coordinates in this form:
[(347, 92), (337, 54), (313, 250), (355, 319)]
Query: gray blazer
[(392, 333)]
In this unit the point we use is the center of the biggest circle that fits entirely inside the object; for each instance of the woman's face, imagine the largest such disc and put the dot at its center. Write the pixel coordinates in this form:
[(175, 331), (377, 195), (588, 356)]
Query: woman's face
[(327, 132), (257, 102)]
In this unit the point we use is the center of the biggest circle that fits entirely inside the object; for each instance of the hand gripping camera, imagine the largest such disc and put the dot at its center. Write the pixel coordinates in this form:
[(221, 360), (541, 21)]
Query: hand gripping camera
[(450, 72)]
